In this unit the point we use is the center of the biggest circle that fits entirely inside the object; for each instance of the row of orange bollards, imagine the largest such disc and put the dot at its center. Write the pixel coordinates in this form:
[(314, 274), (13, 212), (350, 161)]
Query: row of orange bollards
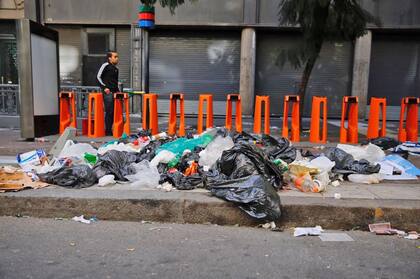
[(318, 128)]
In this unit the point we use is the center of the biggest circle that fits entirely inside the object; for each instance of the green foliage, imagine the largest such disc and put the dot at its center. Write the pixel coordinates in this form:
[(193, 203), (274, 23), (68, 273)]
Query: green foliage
[(321, 20), (172, 4)]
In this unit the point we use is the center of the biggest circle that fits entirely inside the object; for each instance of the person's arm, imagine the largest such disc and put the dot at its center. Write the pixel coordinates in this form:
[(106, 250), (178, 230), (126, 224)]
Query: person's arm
[(102, 83)]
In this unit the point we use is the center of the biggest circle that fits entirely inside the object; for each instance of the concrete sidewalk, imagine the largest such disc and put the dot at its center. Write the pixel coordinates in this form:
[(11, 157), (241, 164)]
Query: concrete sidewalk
[(359, 206)]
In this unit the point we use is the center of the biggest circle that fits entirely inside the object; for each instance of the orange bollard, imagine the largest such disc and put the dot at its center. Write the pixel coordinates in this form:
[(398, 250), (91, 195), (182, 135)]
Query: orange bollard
[(121, 103), (294, 100), (209, 117), (315, 135), (259, 100), (67, 110), (350, 109), (411, 130), (173, 113), (377, 105), (238, 117), (96, 118), (150, 113)]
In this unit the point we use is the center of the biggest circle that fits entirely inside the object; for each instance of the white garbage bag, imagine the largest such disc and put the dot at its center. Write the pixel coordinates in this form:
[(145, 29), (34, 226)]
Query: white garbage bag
[(214, 151)]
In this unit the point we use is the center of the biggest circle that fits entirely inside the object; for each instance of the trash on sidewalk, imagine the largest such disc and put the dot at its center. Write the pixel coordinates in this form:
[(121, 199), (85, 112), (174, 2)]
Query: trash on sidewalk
[(76, 150), (83, 220), (106, 180), (146, 175), (32, 159), (384, 143), (214, 150), (369, 152), (310, 231), (13, 179), (384, 229), (413, 235), (253, 194), (346, 164), (413, 148), (373, 178), (395, 167), (333, 237), (77, 176)]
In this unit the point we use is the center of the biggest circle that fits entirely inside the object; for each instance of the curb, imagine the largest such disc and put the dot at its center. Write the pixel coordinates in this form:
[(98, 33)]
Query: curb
[(202, 209)]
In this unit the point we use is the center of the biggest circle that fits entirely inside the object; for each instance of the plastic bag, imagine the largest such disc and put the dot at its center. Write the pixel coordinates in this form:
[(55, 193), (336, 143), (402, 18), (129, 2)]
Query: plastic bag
[(345, 163), (149, 151), (106, 180), (146, 175), (180, 145), (373, 178), (164, 156), (77, 176), (278, 149), (370, 152), (182, 182), (246, 159), (76, 150), (254, 195), (213, 151), (323, 164), (115, 162), (405, 166), (384, 143), (116, 146)]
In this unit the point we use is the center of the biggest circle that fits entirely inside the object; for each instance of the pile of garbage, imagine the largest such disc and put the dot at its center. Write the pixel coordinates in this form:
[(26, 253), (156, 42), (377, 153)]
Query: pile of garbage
[(245, 169)]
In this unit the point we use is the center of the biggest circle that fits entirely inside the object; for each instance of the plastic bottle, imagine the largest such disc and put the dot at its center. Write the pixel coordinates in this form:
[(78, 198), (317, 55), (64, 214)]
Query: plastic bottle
[(303, 183)]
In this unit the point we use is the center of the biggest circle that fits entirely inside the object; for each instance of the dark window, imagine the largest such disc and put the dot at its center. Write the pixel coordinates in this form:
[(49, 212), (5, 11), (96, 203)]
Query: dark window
[(98, 43)]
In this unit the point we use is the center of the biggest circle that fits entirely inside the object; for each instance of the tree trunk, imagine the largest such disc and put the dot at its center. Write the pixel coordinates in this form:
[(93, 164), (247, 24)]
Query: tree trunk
[(304, 83)]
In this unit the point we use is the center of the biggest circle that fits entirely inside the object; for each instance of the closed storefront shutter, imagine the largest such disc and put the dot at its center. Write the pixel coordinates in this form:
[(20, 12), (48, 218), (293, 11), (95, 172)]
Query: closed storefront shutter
[(330, 77), (123, 48), (194, 62), (394, 69)]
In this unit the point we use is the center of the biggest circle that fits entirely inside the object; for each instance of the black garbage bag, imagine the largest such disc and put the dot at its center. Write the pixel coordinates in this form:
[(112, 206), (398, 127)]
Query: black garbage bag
[(278, 149), (115, 162), (345, 163), (149, 151), (252, 194), (182, 182), (246, 159), (384, 143), (77, 176)]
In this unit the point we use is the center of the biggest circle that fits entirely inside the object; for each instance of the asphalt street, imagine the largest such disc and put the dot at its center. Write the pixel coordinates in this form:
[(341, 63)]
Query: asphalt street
[(49, 248)]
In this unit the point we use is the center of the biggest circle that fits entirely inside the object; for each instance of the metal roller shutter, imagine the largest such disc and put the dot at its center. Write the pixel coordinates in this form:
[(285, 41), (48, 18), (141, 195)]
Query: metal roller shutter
[(394, 69), (330, 77), (123, 48), (193, 63)]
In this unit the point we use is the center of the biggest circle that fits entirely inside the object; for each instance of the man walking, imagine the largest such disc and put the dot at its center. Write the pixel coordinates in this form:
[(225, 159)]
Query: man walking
[(108, 81)]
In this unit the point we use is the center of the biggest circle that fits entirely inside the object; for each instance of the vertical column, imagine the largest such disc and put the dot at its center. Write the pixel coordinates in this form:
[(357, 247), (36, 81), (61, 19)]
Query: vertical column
[(136, 72), (247, 72), (362, 49)]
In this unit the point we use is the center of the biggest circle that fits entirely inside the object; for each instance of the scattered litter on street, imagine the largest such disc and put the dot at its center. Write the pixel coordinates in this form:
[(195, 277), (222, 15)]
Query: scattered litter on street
[(83, 220), (310, 231), (412, 235)]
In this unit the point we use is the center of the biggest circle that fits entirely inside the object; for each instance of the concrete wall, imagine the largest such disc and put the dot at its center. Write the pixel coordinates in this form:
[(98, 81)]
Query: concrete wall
[(393, 14)]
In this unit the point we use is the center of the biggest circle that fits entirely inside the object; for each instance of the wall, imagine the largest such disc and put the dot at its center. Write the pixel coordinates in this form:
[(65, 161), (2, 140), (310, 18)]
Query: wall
[(70, 54)]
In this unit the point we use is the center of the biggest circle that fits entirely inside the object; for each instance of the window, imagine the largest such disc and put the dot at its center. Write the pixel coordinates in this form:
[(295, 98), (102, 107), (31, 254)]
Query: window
[(97, 41)]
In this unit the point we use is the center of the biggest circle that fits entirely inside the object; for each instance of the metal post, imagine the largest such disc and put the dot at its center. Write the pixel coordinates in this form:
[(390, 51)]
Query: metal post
[(145, 61)]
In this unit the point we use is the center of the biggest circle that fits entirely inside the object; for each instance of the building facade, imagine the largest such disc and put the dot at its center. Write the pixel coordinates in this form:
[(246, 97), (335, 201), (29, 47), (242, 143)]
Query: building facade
[(226, 46)]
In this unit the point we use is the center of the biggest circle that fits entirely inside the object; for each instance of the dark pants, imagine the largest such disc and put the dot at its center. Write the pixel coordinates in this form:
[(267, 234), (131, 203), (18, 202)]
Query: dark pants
[(109, 112)]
